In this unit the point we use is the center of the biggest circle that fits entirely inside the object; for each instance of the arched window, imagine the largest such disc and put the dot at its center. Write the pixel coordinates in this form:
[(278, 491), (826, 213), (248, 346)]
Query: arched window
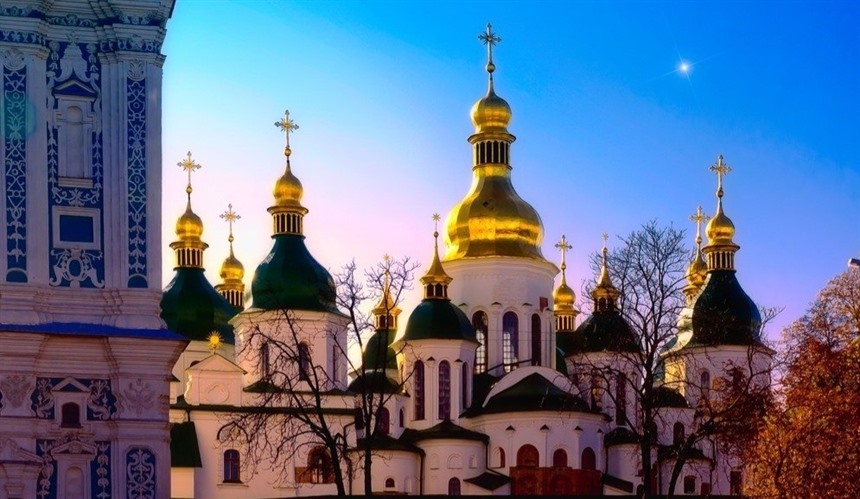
[(502, 462), (444, 390), (528, 457), (705, 385), (265, 361), (70, 415), (559, 458), (320, 466), (479, 323), (74, 483), (304, 362), (596, 392), (389, 483), (401, 418), (510, 338), (589, 461), (454, 487), (690, 484), (464, 386), (419, 389), (383, 421), (621, 399), (536, 340), (678, 433), (231, 466)]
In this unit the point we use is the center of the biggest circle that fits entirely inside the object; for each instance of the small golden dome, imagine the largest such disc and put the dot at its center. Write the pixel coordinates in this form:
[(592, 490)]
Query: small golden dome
[(563, 297), (720, 229), (288, 190), (491, 113), (232, 269), (697, 271), (189, 227)]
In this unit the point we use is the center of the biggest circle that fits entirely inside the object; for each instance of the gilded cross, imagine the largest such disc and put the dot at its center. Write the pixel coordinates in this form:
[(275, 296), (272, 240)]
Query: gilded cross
[(720, 168), (699, 217), (189, 165), (230, 216), (564, 247), (490, 39), (287, 126)]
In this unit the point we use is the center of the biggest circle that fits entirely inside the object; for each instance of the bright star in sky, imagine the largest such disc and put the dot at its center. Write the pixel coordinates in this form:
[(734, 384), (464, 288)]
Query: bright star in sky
[(684, 67)]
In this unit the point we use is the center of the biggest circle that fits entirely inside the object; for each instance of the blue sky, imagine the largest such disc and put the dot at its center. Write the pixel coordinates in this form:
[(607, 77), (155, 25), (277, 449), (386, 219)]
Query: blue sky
[(610, 134)]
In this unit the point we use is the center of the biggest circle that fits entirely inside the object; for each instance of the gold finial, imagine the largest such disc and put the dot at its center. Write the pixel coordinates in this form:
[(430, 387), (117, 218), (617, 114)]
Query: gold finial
[(287, 126), (605, 237), (436, 273), (230, 216), (436, 219), (490, 39), (564, 247), (189, 165), (214, 341), (720, 168), (698, 218)]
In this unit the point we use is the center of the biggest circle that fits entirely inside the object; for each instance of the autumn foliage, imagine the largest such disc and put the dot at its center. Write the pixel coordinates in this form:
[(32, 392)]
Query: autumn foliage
[(810, 445)]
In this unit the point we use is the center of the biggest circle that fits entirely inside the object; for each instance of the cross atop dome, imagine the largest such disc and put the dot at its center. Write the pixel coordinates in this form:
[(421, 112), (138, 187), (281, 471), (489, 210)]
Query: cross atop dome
[(287, 126), (720, 168), (698, 218), (490, 39), (564, 247), (189, 165), (230, 216)]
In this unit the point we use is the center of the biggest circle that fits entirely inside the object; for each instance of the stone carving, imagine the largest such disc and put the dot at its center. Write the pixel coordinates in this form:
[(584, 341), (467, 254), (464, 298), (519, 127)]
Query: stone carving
[(74, 267), (137, 223), (140, 473), (15, 388), (15, 166), (139, 397)]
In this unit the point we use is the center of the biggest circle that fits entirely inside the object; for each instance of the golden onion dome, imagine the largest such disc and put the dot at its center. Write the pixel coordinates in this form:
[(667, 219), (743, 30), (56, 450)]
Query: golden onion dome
[(232, 269), (563, 297), (189, 227), (491, 113), (288, 189), (697, 271), (720, 229)]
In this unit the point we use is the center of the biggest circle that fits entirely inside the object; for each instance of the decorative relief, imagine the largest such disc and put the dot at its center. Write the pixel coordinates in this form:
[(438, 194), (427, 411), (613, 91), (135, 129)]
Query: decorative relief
[(139, 397), (15, 388), (74, 79), (70, 444), (140, 473), (42, 399), (100, 471), (29, 37), (74, 267), (136, 70), (101, 402), (15, 165), (46, 484), (137, 223)]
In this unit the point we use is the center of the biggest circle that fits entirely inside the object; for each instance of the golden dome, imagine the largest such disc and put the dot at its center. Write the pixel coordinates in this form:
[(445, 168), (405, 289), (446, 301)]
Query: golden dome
[(604, 292), (697, 271), (720, 229), (189, 227), (288, 190), (491, 113), (563, 297), (232, 269)]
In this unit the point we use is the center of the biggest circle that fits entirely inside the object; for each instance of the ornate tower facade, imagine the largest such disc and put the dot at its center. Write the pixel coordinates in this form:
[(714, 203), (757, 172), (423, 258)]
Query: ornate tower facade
[(83, 351), (501, 279)]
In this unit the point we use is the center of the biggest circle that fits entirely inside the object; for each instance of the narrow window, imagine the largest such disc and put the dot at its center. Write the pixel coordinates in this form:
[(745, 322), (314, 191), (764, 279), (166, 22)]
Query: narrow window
[(454, 487), (559, 459), (690, 484), (383, 421), (304, 362), (320, 466), (510, 337), (528, 457), (70, 415), (589, 460), (678, 433), (479, 323), (536, 340), (401, 418), (444, 390), (265, 364), (502, 462), (596, 392), (231, 466), (464, 386), (419, 389), (621, 399), (736, 485), (705, 386)]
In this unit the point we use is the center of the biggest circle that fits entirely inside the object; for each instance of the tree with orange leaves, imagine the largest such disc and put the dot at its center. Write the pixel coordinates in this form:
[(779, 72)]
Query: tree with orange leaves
[(810, 445)]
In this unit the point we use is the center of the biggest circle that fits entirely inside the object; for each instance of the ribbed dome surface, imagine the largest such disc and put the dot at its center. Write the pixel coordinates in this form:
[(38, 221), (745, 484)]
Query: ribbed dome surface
[(491, 113), (191, 307), (189, 227), (724, 314), (440, 320)]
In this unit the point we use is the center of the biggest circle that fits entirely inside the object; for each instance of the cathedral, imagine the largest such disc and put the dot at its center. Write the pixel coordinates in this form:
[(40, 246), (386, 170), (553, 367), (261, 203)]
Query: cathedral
[(492, 385)]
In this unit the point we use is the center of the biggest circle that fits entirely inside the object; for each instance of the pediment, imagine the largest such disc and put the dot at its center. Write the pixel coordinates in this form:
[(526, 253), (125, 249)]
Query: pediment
[(11, 451), (217, 363), (73, 87), (74, 447), (70, 385)]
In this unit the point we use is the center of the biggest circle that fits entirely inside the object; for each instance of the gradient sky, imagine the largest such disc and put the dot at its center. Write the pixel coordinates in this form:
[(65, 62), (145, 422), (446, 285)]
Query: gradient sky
[(610, 134)]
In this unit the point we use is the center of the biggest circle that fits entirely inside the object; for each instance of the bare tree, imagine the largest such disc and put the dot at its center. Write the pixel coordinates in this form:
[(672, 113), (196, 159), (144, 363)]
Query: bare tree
[(301, 408), (629, 367)]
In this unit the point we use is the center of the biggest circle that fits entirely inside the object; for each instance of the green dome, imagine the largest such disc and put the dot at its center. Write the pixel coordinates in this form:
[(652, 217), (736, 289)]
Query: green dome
[(191, 307), (290, 278), (378, 353), (438, 320), (723, 313), (604, 331)]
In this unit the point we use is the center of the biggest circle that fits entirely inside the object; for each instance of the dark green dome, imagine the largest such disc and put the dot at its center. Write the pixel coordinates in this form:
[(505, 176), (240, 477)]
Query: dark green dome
[(290, 278), (378, 353), (534, 393), (723, 313), (560, 364), (663, 396), (191, 307), (605, 331), (439, 320)]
